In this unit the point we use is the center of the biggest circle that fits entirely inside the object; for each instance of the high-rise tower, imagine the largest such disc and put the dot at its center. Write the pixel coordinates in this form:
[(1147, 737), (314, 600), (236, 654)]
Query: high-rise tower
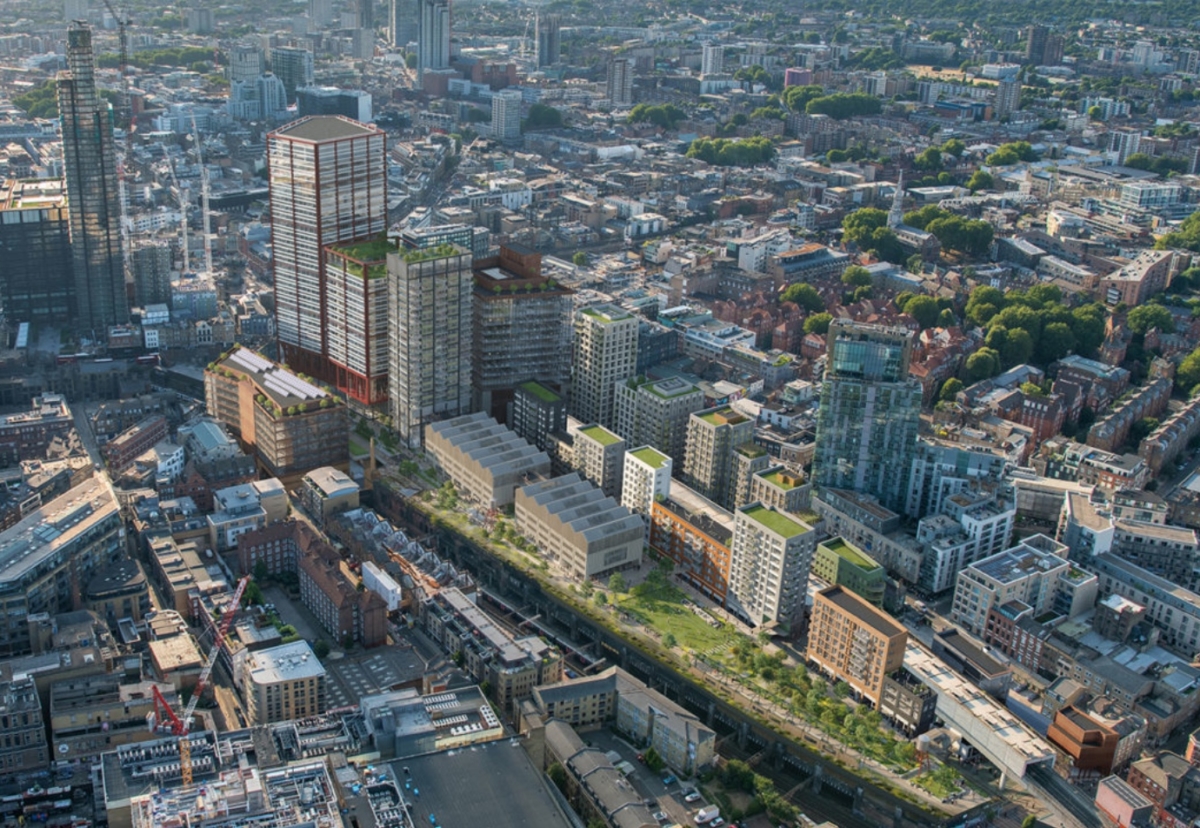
[(433, 36), (506, 114), (712, 59), (869, 415), (605, 353), (549, 39), (620, 82), (328, 177), (429, 337), (402, 22), (93, 199)]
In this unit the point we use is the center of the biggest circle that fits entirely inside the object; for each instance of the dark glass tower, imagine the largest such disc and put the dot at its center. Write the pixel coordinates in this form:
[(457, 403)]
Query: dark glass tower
[(93, 200), (870, 413)]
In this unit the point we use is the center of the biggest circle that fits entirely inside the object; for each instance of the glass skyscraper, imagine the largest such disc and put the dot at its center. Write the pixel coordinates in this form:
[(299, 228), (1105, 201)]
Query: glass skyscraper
[(869, 416), (93, 198)]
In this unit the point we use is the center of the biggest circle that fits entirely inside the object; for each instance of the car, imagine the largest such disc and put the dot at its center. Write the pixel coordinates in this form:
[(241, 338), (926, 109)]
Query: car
[(650, 803), (692, 796), (717, 823), (669, 779), (661, 816)]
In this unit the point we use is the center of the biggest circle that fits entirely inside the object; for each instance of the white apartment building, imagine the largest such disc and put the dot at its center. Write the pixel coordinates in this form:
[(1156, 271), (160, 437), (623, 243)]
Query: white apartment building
[(771, 555), (1028, 573), (605, 353), (647, 476)]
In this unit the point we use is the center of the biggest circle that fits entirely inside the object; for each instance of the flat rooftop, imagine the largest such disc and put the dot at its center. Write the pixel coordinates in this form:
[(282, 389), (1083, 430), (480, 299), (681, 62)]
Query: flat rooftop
[(850, 552), (606, 314), (498, 773), (319, 128), (540, 391), (860, 610), (651, 457), (285, 388), (32, 194), (600, 434), (55, 525), (777, 522), (287, 662)]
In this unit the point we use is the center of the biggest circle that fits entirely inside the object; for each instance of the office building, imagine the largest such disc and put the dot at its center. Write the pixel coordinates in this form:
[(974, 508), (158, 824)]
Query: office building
[(93, 198), (320, 14), (656, 413), (712, 60), (485, 460), (521, 330), (402, 22), (59, 545), (36, 282), (574, 524), (620, 82), (25, 749), (646, 478), (770, 558), (599, 456), (429, 337), (356, 339), (433, 37), (506, 115), (605, 353), (537, 412), (328, 180), (549, 39), (908, 703), (329, 100), (1008, 97), (91, 715), (840, 563), (291, 425), (118, 591), (294, 68), (327, 491), (709, 466), (282, 683), (854, 642), (366, 14), (869, 415), (1027, 573)]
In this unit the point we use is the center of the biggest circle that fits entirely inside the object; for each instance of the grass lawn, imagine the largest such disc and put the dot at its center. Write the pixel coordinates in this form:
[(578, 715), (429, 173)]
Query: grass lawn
[(358, 447), (940, 783), (663, 607)]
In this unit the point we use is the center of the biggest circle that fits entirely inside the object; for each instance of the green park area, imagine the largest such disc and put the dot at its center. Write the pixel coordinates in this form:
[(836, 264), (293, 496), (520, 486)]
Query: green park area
[(663, 607)]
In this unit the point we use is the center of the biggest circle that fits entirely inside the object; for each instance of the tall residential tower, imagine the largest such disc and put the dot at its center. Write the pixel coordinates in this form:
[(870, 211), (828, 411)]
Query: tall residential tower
[(869, 414), (93, 199), (605, 352)]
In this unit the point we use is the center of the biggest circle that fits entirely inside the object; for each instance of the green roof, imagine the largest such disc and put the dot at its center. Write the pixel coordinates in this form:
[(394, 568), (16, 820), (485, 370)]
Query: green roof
[(849, 552), (750, 450), (603, 317), (721, 416), (540, 391), (422, 254), (777, 522), (600, 434), (777, 478), (371, 250), (652, 458)]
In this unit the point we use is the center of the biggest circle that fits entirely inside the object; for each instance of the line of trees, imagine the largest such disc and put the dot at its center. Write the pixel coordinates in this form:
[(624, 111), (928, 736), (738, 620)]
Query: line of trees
[(723, 152)]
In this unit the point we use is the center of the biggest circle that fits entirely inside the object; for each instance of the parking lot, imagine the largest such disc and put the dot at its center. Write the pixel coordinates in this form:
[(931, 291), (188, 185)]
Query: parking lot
[(649, 785)]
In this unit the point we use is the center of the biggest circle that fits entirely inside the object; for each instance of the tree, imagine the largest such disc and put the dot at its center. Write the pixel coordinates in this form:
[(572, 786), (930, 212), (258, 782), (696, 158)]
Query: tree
[(818, 323), (1096, 114), (1145, 318), (1017, 347), (954, 147), (579, 259), (1187, 376), (983, 364), (558, 775), (601, 599), (924, 309), (666, 116), (261, 573), (856, 276), (669, 641), (950, 389), (1055, 343), (1088, 324), (542, 116), (1187, 235), (930, 159), (915, 264), (842, 105), (1141, 429), (983, 304), (1030, 820), (321, 648), (981, 180), (616, 582), (859, 226), (1012, 153), (921, 218), (796, 98), (722, 152), (805, 296), (947, 319)]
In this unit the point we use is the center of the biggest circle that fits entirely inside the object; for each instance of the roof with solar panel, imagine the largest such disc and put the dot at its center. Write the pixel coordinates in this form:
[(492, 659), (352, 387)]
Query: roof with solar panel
[(283, 387)]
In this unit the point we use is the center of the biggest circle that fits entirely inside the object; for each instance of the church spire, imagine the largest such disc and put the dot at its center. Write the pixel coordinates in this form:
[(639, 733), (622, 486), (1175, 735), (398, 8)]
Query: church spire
[(896, 214)]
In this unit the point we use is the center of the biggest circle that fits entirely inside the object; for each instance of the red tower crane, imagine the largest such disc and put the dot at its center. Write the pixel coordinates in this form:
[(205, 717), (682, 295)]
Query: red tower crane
[(180, 725)]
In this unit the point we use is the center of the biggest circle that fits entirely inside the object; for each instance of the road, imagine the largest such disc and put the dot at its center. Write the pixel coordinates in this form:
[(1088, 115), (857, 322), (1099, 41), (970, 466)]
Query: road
[(80, 413)]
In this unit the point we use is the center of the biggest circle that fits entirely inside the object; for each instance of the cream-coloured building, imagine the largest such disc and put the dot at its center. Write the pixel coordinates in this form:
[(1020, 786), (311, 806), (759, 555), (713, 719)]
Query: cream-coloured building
[(605, 353), (485, 460), (770, 557), (574, 523), (282, 683), (600, 457)]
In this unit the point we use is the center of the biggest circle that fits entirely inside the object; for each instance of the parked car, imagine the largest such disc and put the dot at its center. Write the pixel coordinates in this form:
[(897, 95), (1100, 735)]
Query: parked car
[(669, 779), (692, 796), (661, 816)]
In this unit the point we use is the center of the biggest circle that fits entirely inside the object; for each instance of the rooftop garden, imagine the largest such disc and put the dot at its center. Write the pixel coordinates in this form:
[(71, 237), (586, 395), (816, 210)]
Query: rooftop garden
[(653, 459), (842, 549), (442, 251), (782, 479), (372, 250), (541, 392), (751, 450), (722, 415), (601, 435), (777, 522)]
